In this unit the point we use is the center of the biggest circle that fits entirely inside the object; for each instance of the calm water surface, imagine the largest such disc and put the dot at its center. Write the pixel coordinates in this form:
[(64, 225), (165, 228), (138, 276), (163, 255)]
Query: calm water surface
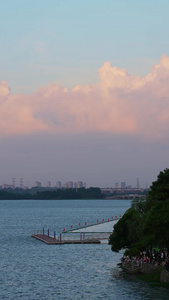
[(30, 269)]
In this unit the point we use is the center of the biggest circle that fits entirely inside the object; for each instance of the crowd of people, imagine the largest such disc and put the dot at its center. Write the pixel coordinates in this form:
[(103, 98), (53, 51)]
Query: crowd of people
[(156, 257)]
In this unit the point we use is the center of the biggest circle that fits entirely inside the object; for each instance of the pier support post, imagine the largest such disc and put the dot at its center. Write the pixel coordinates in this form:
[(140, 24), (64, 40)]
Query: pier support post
[(81, 236), (60, 237)]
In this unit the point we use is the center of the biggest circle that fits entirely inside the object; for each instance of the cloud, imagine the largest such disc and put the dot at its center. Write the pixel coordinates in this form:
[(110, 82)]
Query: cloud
[(4, 88), (117, 103)]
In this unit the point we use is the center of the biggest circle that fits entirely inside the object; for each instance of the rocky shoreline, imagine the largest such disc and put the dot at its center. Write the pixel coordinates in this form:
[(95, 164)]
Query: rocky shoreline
[(145, 268)]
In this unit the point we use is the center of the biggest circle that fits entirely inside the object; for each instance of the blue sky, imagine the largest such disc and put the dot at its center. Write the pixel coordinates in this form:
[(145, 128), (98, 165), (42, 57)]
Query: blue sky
[(68, 108)]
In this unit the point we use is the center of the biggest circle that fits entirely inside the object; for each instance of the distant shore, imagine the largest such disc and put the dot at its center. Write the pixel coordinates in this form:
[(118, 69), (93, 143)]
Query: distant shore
[(63, 194)]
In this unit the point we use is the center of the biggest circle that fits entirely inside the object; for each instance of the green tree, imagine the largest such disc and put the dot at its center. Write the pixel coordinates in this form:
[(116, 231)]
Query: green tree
[(146, 223), (127, 231), (156, 224), (159, 190)]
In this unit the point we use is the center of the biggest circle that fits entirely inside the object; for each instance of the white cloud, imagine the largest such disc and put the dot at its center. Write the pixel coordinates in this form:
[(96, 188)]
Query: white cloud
[(118, 103)]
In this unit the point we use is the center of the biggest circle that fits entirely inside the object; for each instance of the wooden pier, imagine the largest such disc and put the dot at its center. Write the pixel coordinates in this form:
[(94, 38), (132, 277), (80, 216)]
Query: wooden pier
[(88, 234), (59, 241)]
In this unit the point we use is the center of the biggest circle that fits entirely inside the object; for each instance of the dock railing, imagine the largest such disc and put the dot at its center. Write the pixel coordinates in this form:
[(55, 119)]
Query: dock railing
[(72, 236)]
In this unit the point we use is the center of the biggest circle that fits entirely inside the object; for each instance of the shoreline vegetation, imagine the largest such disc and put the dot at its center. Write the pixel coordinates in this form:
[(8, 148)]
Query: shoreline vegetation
[(58, 194), (142, 233), (66, 194)]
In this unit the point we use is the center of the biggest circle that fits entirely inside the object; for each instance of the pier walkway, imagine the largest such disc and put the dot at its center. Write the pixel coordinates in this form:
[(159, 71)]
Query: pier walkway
[(81, 239), (104, 227), (88, 234)]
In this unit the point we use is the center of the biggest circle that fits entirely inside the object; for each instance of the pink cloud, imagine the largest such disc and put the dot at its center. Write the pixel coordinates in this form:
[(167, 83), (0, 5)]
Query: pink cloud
[(4, 88), (118, 103)]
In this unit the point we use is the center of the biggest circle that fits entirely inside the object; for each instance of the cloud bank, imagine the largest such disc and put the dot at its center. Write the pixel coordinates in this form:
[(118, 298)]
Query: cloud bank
[(117, 103)]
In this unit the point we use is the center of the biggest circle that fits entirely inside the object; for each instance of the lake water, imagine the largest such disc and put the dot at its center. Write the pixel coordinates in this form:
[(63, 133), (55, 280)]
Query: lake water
[(33, 270)]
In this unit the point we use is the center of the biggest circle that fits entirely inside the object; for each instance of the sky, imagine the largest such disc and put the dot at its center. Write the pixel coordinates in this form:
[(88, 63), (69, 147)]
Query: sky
[(84, 91)]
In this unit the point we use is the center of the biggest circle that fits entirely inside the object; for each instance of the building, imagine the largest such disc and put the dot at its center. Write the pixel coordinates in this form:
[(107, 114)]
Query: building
[(49, 184), (70, 184), (58, 184), (116, 185), (123, 185), (79, 184), (38, 184)]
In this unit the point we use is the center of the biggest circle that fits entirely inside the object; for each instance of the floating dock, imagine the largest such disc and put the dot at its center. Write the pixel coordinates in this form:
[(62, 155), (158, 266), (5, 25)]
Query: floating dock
[(89, 234), (59, 241)]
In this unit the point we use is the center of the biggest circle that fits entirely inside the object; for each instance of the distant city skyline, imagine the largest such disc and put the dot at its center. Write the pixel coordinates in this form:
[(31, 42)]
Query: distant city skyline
[(19, 182)]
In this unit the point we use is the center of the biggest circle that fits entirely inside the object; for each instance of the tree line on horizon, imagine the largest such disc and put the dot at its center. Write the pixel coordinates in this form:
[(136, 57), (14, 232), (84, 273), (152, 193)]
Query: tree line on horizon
[(58, 194)]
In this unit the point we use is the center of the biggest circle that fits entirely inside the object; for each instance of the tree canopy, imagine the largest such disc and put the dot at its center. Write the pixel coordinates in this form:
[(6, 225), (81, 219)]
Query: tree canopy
[(146, 223), (80, 193)]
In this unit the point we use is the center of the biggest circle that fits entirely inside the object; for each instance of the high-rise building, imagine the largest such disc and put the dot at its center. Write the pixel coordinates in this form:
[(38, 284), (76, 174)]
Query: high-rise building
[(58, 184), (48, 184), (116, 185), (123, 185), (79, 184), (70, 184)]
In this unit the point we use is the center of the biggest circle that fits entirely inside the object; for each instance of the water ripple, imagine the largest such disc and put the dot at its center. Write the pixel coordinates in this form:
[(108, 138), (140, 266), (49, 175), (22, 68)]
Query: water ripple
[(31, 270)]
